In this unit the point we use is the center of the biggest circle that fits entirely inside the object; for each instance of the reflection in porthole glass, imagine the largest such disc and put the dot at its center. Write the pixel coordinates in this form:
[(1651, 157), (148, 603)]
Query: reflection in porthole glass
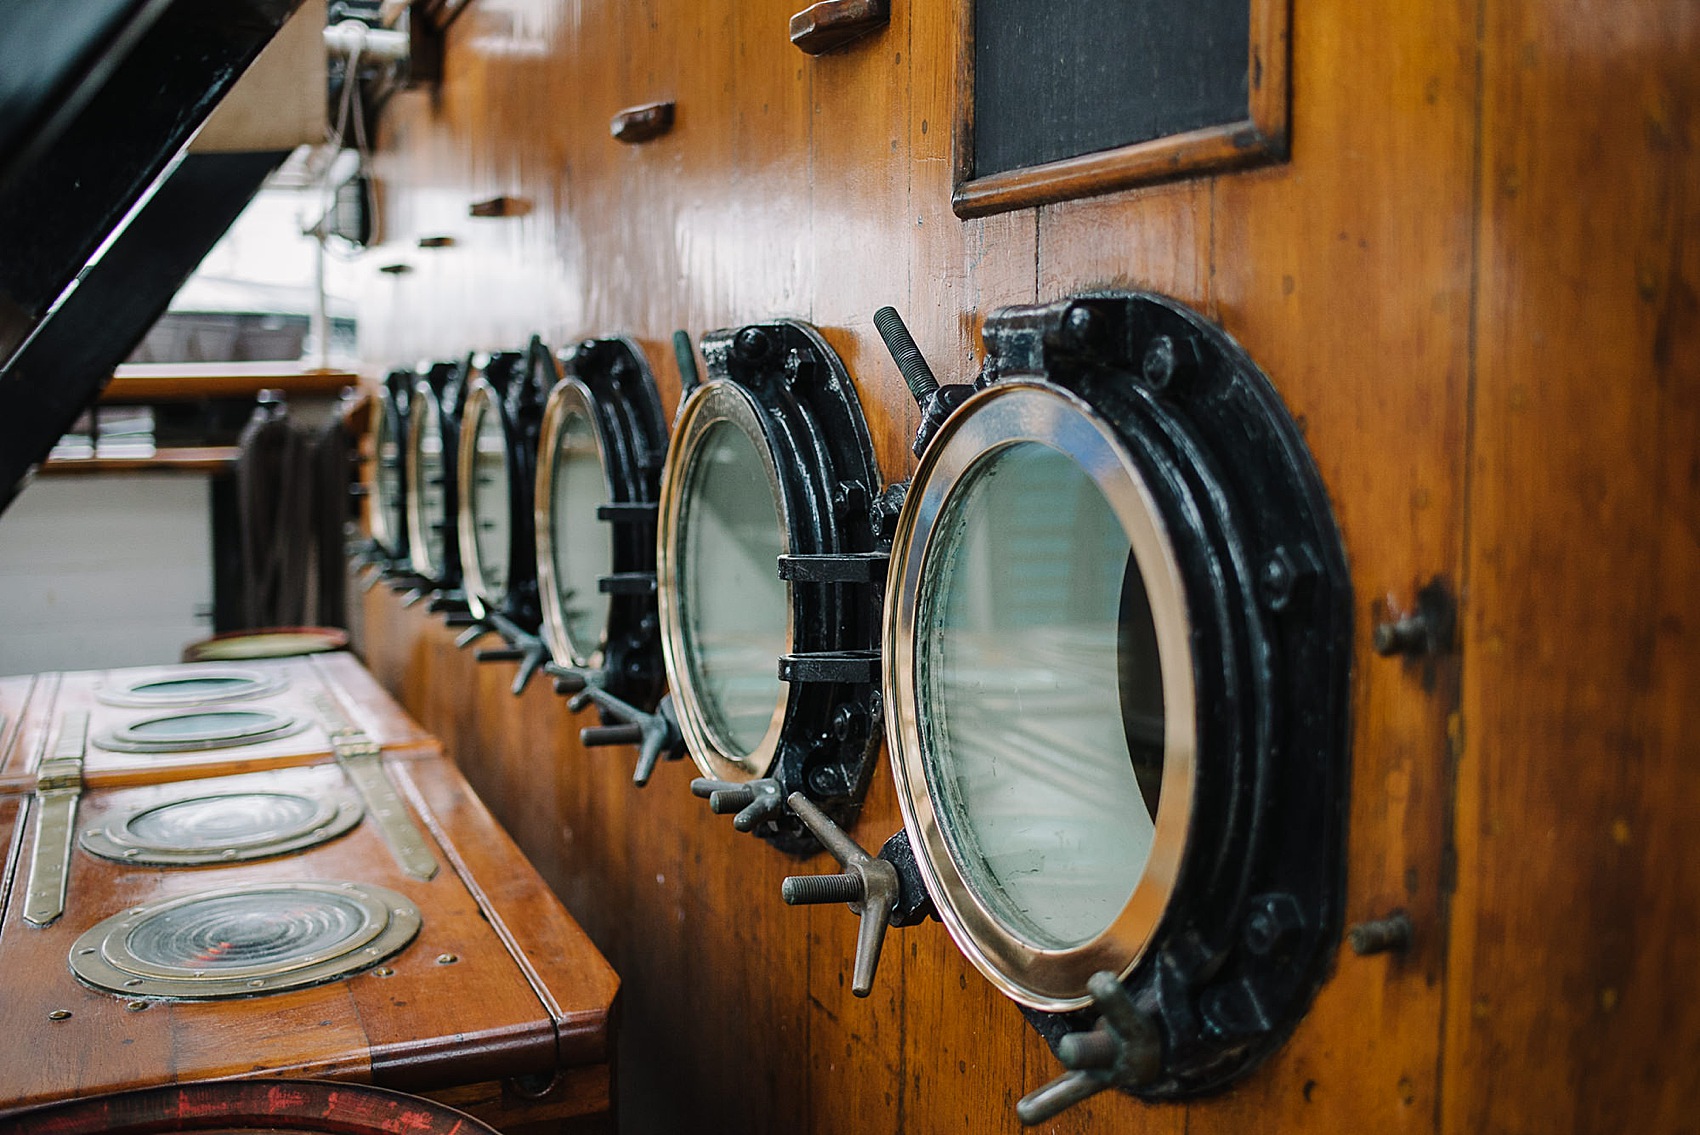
[(492, 521), (1037, 658), (429, 487), (203, 726), (735, 607), (582, 546)]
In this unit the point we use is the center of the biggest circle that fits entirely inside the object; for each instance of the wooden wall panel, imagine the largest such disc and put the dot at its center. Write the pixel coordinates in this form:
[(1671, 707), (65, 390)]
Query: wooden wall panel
[(1573, 958), (1473, 285)]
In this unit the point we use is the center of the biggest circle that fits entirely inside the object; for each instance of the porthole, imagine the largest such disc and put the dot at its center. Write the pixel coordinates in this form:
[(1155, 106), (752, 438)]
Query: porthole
[(245, 941), (192, 685), (223, 827), (1045, 706), (496, 475), (202, 729), (598, 474), (389, 473), (1118, 642), (433, 445), (770, 576)]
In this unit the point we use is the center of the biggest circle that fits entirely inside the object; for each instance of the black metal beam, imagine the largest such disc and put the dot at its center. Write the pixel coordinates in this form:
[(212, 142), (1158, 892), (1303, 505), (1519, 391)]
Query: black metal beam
[(61, 368), (104, 102)]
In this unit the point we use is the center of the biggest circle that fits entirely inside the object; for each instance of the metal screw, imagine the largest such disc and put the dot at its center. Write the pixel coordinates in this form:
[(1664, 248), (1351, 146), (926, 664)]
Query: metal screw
[(384, 971), (810, 890), (1409, 635), (447, 959), (1381, 935), (135, 1006), (1277, 582), (752, 344), (1160, 361), (1274, 921), (910, 363), (59, 1014), (1080, 328), (798, 368)]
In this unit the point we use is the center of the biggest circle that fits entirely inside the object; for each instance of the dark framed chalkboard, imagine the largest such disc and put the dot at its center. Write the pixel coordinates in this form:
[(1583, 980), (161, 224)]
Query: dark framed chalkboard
[(1066, 98)]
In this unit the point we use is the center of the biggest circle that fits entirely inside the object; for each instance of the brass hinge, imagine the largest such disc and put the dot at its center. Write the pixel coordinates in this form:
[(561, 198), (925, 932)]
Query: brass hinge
[(361, 759), (58, 788)]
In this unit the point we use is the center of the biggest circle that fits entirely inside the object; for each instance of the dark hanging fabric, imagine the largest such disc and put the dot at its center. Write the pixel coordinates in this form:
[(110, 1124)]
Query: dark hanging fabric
[(292, 487)]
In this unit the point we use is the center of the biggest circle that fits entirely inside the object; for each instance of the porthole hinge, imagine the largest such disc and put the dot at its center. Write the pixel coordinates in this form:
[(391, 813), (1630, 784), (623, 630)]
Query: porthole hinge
[(58, 789), (629, 512), (837, 567), (361, 760), (855, 667)]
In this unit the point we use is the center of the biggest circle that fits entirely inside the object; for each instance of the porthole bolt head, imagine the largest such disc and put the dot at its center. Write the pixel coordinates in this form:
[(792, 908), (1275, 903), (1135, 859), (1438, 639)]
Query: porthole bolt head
[(1272, 924), (1082, 328), (1124, 1050), (752, 800), (868, 884), (1391, 934), (1284, 576), (752, 344), (1166, 361)]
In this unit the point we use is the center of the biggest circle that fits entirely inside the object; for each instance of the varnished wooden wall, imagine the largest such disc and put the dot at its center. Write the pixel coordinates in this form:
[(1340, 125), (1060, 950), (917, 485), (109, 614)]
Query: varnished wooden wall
[(1474, 283)]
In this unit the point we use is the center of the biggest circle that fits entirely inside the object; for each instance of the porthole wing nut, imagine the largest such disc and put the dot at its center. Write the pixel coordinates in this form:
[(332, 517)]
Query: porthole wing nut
[(868, 884), (655, 734), (1124, 1050), (752, 800)]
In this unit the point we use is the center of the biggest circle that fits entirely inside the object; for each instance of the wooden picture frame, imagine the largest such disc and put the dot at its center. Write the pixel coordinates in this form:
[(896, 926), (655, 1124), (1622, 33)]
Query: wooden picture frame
[(1260, 137)]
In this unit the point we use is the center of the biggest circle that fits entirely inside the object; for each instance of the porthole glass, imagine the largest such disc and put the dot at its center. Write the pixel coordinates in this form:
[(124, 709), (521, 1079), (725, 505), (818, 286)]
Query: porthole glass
[(204, 729), (1046, 748), (388, 518), (206, 685), (580, 546), (489, 499), (428, 506), (495, 474), (1037, 659), (734, 607)]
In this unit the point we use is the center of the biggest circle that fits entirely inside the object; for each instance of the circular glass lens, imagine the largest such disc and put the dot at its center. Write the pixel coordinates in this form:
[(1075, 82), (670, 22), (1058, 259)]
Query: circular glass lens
[(581, 545), (734, 607), (1036, 661), (224, 821), (212, 686), (490, 504), (240, 931), (204, 726), (430, 493)]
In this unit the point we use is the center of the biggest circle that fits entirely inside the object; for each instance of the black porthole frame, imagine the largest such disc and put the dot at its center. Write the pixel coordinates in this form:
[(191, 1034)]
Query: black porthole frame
[(632, 438), (1249, 933), (444, 385), (839, 543), (520, 381), (394, 396)]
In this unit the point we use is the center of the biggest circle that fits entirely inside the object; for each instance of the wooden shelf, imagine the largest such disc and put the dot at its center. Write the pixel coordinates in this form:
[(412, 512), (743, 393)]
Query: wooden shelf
[(203, 459), (176, 382)]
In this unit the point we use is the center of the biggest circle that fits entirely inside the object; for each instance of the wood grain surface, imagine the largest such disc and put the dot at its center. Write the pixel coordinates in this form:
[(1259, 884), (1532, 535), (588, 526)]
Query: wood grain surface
[(499, 984), (1474, 284), (341, 677)]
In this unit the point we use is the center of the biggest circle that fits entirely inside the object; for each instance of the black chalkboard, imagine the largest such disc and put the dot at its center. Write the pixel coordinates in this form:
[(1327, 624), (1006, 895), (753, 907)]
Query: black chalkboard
[(1058, 78)]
